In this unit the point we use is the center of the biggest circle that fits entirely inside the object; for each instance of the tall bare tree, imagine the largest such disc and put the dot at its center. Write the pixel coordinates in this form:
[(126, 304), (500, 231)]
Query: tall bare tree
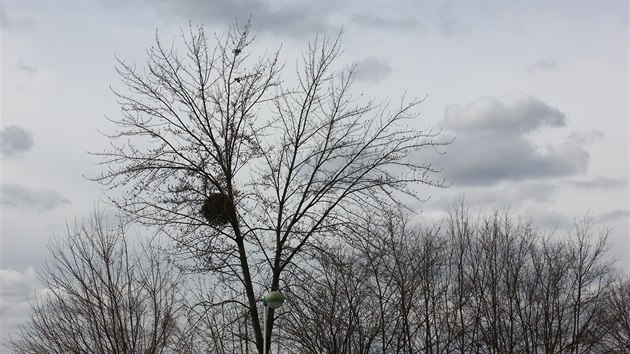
[(101, 297), (245, 172)]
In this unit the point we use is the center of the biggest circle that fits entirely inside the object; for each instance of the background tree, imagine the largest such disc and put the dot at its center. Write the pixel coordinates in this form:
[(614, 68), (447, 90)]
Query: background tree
[(615, 317), (244, 172), (487, 284), (101, 296), (330, 307)]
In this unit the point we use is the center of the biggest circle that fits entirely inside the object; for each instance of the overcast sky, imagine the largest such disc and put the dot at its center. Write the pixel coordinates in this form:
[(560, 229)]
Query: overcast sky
[(535, 94)]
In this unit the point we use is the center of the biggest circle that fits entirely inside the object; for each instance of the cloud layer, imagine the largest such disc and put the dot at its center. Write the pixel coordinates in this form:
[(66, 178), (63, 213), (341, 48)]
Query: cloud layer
[(32, 200), (15, 141)]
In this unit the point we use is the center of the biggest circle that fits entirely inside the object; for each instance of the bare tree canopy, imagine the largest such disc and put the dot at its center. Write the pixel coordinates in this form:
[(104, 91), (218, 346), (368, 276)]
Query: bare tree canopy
[(491, 284), (245, 172), (101, 297), (487, 285)]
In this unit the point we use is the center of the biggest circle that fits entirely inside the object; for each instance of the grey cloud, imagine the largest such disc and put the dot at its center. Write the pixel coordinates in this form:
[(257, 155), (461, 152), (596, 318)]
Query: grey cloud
[(516, 113), (372, 69), (26, 68), (491, 144), (11, 23), (592, 136), (528, 200), (33, 200), (598, 183), (450, 26), (445, 22), (15, 141), (510, 195), (284, 19), (548, 64), (612, 216), (373, 21), (503, 196), (549, 219), (487, 159)]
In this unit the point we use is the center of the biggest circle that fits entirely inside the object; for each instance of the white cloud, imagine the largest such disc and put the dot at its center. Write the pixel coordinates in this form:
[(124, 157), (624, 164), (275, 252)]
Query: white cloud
[(15, 290)]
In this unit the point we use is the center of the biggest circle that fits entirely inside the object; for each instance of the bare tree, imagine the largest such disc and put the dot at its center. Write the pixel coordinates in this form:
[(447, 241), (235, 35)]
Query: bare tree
[(244, 172), (330, 307), (590, 274), (615, 317), (382, 290), (101, 297), (460, 232)]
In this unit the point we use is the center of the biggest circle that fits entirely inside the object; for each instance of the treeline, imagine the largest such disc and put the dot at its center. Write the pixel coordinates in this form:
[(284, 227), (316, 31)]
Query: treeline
[(492, 284)]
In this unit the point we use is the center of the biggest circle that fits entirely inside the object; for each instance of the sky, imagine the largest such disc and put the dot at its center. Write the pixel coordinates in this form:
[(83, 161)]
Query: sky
[(534, 93)]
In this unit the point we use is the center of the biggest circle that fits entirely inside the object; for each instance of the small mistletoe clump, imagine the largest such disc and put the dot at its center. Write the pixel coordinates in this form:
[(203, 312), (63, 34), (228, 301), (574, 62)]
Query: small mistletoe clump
[(217, 209)]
